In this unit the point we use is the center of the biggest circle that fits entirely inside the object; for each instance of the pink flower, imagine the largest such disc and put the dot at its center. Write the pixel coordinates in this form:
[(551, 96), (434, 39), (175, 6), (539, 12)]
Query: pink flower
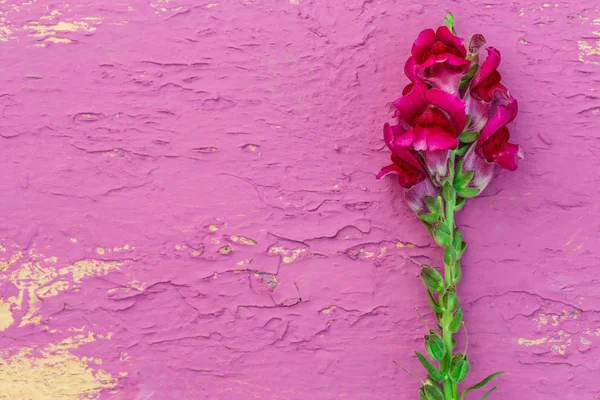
[(484, 87), (410, 171), (492, 146), (437, 58), (432, 120), (493, 142)]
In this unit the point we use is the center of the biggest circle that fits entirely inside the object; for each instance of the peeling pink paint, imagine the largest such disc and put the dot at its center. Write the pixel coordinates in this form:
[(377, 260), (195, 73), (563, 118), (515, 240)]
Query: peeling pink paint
[(232, 147)]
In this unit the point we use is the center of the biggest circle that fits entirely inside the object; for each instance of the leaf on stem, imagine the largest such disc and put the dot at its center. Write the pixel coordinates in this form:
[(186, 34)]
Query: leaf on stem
[(456, 321), (480, 384), (459, 367), (432, 279), (489, 392), (431, 370), (433, 304), (468, 137), (467, 192)]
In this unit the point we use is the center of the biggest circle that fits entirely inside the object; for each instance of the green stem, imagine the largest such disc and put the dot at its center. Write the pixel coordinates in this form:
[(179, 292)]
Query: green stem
[(450, 389)]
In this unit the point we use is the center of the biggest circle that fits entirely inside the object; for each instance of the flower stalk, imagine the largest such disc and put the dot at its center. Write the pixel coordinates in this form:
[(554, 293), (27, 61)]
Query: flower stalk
[(451, 134)]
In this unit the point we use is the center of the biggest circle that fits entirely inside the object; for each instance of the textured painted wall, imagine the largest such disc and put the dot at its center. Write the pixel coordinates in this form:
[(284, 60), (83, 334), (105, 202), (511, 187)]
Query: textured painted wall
[(189, 211)]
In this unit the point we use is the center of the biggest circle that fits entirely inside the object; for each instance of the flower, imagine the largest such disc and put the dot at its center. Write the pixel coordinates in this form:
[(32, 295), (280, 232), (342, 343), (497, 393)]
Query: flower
[(438, 58), (434, 119), (410, 171), (484, 87), (492, 146), (493, 142)]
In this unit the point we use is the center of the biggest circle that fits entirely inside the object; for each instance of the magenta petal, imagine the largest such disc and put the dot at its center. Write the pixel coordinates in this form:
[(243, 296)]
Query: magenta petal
[(437, 162), (483, 172), (410, 69), (387, 170), (412, 105), (506, 156), (425, 40), (490, 64), (479, 111), (451, 104), (404, 140), (390, 132), (449, 39), (442, 74), (504, 114), (415, 196), (433, 138)]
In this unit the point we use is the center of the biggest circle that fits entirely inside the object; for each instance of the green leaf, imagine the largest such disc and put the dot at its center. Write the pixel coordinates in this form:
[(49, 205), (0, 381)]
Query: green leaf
[(489, 392), (450, 301), (433, 203), (431, 370), (463, 179), (467, 192), (449, 22), (429, 218), (456, 320), (468, 122), (449, 192), (441, 234), (434, 392), (422, 395), (450, 255), (456, 272), (435, 345), (460, 203), (433, 304), (468, 137), (480, 384), (466, 79), (457, 239), (463, 248), (429, 227), (459, 367), (462, 149), (432, 279)]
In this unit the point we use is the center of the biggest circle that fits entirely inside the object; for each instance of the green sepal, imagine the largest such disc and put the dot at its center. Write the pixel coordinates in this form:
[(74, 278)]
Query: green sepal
[(429, 218), (480, 384), (453, 343), (463, 248), (433, 304), (459, 367), (449, 23), (429, 227), (468, 121), (462, 149), (433, 204), (450, 255), (489, 392), (431, 370), (467, 192), (441, 234), (448, 191), (456, 272), (450, 301), (435, 345), (433, 393), (456, 320), (457, 239), (466, 79), (432, 279), (460, 203), (463, 179), (468, 137), (422, 395)]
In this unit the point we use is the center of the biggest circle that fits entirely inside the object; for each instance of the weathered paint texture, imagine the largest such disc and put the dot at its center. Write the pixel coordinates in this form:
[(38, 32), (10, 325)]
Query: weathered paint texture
[(189, 209)]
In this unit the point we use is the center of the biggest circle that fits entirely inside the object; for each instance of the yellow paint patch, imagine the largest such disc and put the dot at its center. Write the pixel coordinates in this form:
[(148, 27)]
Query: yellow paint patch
[(211, 5), (225, 250), (213, 228), (6, 317), (243, 240), (41, 30), (74, 240), (532, 342), (100, 250), (56, 374), (289, 256), (588, 50)]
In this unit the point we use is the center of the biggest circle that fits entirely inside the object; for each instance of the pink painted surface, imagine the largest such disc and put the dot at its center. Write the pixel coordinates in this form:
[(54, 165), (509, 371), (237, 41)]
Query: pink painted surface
[(211, 167)]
